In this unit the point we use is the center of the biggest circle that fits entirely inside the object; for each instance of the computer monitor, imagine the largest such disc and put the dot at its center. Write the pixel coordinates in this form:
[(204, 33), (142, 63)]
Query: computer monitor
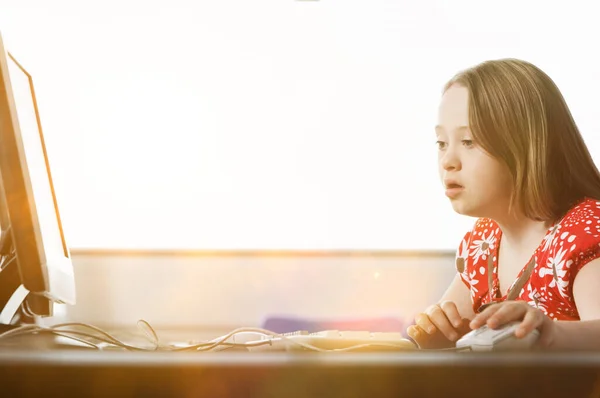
[(35, 268)]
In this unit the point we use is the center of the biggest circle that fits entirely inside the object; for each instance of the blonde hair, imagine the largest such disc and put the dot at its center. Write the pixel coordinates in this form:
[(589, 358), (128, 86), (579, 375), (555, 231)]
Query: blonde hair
[(518, 115)]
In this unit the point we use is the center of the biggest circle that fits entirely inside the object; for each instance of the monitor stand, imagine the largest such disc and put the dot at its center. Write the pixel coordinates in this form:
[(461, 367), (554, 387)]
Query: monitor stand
[(12, 292)]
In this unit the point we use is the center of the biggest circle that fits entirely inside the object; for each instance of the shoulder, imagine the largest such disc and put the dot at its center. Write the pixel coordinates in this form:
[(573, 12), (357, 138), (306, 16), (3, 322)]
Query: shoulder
[(577, 237), (582, 221), (482, 237), (584, 216), (484, 230), (476, 247)]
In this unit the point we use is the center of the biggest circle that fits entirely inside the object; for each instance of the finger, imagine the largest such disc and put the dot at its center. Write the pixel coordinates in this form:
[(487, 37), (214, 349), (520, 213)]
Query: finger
[(441, 322), (481, 319), (412, 331), (531, 321), (423, 321), (415, 330), (507, 312), (451, 312), (416, 333)]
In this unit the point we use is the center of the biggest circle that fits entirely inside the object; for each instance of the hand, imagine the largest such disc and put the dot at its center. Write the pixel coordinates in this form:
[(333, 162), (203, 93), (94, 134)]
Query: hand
[(508, 311), (439, 326)]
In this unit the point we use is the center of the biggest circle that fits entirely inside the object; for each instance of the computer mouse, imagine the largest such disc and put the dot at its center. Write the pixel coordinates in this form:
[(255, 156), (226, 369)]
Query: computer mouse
[(502, 338)]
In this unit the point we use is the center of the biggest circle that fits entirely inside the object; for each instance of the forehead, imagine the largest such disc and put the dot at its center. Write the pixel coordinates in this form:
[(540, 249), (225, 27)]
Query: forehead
[(454, 108)]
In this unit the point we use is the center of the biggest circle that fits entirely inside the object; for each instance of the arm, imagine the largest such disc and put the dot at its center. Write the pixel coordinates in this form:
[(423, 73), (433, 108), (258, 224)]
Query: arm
[(559, 335), (577, 335), (458, 293), (441, 324), (584, 334)]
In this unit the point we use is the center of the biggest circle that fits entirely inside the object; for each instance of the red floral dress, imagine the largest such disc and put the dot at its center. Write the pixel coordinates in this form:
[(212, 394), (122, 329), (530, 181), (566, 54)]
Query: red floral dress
[(549, 275)]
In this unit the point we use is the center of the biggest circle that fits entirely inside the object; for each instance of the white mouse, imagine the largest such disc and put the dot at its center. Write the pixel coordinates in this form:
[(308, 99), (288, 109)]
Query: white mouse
[(502, 338)]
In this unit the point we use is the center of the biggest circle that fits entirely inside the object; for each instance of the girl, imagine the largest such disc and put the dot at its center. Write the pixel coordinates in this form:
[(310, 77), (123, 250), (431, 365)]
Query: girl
[(511, 155)]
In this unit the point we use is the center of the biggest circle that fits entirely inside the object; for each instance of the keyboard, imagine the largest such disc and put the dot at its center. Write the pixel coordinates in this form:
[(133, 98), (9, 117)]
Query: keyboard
[(332, 340)]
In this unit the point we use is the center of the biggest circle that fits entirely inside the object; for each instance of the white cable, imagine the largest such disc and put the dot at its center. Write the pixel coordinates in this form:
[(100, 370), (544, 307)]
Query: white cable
[(266, 337)]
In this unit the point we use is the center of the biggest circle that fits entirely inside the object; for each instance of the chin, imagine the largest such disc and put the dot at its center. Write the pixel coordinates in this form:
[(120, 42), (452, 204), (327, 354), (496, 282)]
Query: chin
[(466, 209)]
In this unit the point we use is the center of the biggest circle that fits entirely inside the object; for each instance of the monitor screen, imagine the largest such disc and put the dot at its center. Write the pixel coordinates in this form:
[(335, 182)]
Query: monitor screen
[(38, 240)]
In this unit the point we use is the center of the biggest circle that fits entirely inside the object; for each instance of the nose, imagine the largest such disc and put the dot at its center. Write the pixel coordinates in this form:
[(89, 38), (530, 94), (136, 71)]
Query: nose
[(450, 159)]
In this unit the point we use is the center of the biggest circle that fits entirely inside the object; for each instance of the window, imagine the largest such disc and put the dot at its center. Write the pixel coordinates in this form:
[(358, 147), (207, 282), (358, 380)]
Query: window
[(270, 124)]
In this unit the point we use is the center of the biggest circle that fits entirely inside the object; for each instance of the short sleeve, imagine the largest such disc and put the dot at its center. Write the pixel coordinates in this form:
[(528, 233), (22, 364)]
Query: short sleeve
[(576, 243), (581, 251)]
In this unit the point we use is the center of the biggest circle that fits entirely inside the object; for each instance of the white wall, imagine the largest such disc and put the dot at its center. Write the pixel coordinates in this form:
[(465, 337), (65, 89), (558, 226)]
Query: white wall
[(272, 124), (178, 290), (268, 124)]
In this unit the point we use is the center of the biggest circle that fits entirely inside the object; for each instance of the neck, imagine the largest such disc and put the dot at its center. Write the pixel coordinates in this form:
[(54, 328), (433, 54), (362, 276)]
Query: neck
[(521, 232)]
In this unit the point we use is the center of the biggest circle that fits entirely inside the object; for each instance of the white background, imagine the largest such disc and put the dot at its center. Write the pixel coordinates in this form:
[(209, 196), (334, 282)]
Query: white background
[(272, 124)]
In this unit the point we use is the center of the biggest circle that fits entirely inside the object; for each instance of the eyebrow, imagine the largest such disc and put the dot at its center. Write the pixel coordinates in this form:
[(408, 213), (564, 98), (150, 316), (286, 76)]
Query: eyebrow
[(458, 129)]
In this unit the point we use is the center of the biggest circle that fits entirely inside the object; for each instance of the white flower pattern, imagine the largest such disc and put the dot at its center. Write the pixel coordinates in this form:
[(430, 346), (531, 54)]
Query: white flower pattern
[(566, 248), (482, 247), (557, 267)]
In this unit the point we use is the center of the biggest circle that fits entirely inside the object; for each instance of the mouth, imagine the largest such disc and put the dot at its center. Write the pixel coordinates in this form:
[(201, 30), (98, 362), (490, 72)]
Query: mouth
[(453, 186), (453, 190)]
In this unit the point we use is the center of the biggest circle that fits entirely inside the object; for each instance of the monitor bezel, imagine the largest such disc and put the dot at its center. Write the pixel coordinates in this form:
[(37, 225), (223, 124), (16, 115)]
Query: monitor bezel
[(40, 274)]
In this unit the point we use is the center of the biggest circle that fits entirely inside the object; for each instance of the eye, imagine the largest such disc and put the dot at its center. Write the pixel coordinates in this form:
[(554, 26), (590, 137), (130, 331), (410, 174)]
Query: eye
[(468, 143), (441, 145)]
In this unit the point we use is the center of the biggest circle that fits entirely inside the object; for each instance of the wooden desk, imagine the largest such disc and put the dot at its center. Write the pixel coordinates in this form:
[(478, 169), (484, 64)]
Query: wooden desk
[(78, 373)]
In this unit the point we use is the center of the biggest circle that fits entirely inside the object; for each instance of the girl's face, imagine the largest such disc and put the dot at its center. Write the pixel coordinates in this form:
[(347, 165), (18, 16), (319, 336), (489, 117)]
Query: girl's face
[(477, 184)]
